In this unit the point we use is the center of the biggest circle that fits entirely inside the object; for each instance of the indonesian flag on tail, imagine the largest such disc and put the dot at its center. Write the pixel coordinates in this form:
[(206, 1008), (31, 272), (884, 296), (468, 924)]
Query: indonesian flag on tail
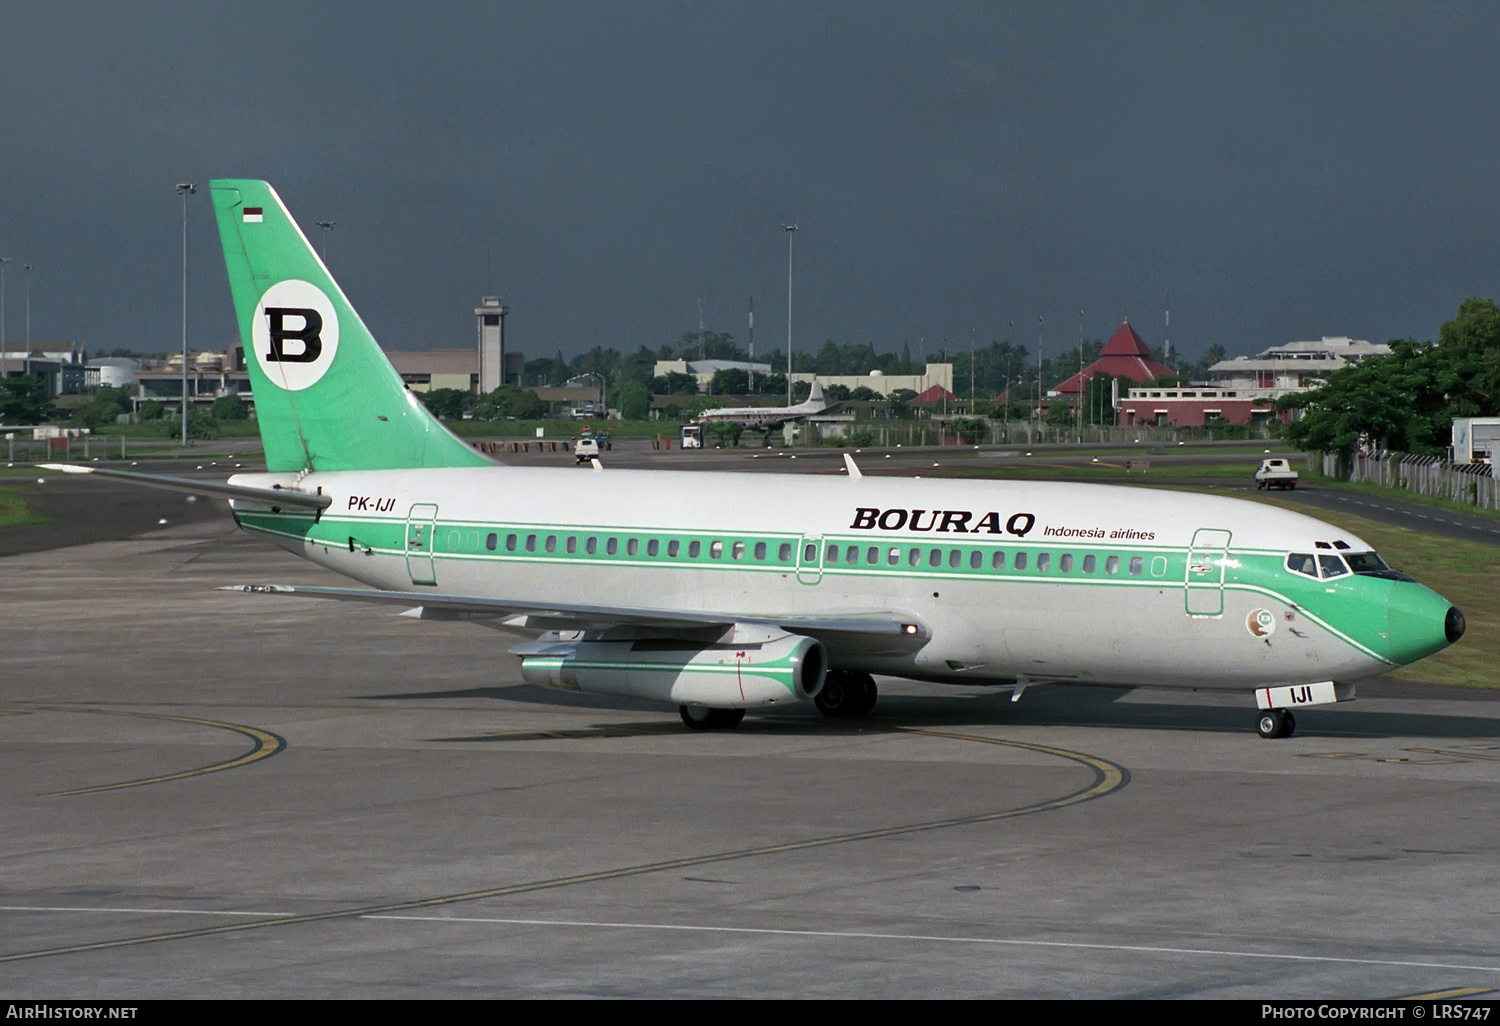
[(254, 215)]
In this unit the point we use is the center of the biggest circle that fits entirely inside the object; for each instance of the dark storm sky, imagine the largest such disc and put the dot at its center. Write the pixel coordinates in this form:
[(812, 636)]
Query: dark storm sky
[(1283, 171)]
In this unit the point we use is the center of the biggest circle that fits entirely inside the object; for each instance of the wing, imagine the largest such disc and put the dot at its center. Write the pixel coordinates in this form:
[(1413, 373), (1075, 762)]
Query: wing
[(877, 632)]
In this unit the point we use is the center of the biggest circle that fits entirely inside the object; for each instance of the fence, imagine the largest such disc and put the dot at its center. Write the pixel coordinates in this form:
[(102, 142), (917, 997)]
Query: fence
[(1425, 475)]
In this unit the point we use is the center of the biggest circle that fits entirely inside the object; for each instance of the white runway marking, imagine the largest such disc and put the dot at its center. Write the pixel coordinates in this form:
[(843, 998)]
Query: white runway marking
[(944, 939), (1148, 949)]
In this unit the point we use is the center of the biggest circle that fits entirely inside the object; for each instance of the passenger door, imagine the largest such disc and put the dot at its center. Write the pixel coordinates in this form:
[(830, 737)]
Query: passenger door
[(1204, 580), (421, 537)]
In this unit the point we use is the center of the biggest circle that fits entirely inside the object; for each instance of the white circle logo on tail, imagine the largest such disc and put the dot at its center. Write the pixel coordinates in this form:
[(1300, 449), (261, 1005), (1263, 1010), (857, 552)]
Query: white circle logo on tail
[(295, 334)]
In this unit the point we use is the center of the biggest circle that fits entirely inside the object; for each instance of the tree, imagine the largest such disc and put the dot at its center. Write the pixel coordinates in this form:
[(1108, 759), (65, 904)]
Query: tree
[(448, 403), (634, 400), (730, 382), (230, 407), (675, 383), (1397, 401), (24, 400), (966, 428), (510, 403), (726, 431)]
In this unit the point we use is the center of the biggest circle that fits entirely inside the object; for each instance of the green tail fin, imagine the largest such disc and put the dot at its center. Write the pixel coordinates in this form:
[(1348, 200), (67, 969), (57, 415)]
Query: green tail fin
[(325, 395)]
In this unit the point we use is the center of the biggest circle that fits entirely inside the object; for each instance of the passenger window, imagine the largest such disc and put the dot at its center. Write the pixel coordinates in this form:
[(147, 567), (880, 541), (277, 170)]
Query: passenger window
[(784, 552), (531, 543), (997, 561), (551, 543), (611, 546), (1088, 563), (810, 553), (914, 557), (953, 557), (1302, 563), (893, 557), (653, 547), (976, 560), (472, 541), (1065, 563), (491, 541), (715, 549), (873, 555), (1020, 563), (760, 551), (632, 546), (673, 547), (572, 545), (935, 557), (1332, 566), (832, 555), (510, 543), (1137, 564), (694, 547), (1112, 565), (738, 550), (591, 546), (1043, 562)]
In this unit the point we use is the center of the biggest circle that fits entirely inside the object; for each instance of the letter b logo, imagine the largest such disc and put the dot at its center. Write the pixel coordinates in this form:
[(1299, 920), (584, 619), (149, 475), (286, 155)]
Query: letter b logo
[(295, 334), (307, 334)]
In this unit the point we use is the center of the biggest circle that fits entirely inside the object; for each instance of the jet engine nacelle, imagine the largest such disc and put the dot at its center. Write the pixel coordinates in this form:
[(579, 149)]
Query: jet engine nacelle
[(750, 668)]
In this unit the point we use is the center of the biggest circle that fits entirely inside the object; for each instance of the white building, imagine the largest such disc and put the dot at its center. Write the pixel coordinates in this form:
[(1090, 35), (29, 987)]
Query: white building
[(1292, 367)]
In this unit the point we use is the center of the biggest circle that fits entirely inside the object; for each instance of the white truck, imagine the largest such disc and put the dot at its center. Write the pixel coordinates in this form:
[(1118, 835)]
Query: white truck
[(586, 449), (1275, 473)]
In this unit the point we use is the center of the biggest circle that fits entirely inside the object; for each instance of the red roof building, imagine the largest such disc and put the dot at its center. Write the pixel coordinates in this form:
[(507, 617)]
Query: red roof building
[(935, 394), (1123, 355)]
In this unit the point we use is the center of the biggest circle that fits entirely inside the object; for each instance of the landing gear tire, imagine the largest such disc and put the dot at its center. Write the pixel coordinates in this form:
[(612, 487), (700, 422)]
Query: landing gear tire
[(1275, 723), (846, 694), (699, 718)]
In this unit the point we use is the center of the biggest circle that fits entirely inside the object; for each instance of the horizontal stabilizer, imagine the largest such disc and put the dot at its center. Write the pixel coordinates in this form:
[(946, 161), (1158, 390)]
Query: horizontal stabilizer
[(278, 496)]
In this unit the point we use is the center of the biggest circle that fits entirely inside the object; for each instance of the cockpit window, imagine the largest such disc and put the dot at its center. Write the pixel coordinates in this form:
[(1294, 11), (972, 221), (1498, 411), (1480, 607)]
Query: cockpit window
[(1332, 566), (1302, 563), (1367, 564)]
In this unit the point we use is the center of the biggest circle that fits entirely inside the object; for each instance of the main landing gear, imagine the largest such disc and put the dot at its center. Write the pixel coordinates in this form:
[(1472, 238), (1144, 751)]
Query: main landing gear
[(846, 693), (1275, 723), (700, 718)]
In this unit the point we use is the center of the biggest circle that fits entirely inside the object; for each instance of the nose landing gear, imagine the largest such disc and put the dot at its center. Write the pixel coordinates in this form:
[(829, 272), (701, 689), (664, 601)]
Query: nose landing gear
[(1274, 723)]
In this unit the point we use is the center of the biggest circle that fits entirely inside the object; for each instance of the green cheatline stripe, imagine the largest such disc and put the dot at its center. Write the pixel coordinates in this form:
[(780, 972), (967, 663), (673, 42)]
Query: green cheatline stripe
[(1171, 578), (1108, 777)]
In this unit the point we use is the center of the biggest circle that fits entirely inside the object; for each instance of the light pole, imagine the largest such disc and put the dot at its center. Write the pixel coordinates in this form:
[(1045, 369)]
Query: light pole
[(327, 227), (26, 356), (4, 357), (791, 233), (184, 189)]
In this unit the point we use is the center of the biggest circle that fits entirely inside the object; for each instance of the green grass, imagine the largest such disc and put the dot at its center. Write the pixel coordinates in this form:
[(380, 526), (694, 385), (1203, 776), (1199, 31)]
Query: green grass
[(1110, 468), (13, 509)]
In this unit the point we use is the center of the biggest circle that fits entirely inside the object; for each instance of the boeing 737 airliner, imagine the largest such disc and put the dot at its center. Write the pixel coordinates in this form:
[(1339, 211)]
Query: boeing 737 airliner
[(724, 592)]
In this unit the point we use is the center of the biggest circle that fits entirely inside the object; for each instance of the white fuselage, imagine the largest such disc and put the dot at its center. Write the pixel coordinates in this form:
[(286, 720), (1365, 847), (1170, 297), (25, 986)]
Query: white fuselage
[(1125, 625)]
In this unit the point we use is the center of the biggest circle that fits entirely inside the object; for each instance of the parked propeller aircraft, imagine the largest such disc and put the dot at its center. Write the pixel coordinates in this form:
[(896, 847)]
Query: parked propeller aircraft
[(765, 418), (721, 592)]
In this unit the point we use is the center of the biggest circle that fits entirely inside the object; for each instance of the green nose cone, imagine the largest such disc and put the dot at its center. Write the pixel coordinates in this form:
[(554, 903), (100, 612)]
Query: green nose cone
[(1420, 622)]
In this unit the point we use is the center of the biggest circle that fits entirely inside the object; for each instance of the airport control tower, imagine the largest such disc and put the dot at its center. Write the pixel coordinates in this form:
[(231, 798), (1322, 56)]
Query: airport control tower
[(491, 313)]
